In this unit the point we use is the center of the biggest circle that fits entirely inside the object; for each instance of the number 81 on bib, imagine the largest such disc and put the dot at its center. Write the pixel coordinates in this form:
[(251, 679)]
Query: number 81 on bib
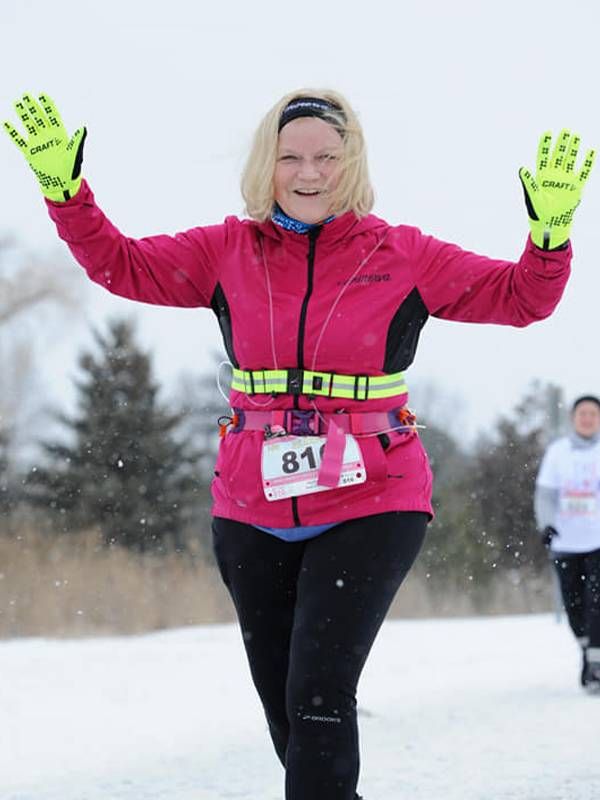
[(290, 465)]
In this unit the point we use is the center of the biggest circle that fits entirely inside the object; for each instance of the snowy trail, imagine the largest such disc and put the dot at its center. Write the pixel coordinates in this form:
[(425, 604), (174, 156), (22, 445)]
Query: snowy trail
[(468, 709)]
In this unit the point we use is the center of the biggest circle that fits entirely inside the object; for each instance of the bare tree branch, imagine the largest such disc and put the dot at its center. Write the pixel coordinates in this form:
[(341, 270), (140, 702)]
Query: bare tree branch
[(29, 284), (30, 287), (14, 302)]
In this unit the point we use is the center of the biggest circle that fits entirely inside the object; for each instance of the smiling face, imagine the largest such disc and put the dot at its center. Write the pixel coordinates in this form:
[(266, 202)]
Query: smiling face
[(586, 419), (309, 155)]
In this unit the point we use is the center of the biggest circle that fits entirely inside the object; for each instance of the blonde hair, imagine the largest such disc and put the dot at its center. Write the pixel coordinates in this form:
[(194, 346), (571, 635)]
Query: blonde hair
[(354, 191)]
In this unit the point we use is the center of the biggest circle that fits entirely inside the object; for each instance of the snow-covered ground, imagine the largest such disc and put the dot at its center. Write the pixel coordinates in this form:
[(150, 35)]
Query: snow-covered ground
[(469, 709)]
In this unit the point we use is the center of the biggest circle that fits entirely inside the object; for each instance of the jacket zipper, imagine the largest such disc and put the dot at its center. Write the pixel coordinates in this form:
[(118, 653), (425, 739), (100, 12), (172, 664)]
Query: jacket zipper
[(312, 245), (313, 235)]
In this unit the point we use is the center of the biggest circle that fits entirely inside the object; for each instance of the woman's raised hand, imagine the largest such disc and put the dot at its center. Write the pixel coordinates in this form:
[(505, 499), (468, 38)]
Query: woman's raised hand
[(554, 193), (55, 159)]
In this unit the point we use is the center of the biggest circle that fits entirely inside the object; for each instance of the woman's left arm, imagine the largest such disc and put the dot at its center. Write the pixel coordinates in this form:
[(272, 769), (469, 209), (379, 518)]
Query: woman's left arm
[(459, 285)]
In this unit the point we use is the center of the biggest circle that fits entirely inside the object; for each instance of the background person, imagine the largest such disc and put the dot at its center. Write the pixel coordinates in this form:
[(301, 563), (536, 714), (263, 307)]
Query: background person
[(567, 508), (322, 490)]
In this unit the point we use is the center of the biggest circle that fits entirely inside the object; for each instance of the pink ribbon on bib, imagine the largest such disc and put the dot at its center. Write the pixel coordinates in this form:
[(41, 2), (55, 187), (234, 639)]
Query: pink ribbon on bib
[(333, 456)]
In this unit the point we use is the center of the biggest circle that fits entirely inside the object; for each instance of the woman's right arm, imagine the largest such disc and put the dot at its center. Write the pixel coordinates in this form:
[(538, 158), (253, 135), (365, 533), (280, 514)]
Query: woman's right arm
[(176, 270), (180, 270)]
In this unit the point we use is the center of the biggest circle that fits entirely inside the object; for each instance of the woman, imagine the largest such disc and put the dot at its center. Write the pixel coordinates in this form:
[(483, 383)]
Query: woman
[(322, 490), (567, 507)]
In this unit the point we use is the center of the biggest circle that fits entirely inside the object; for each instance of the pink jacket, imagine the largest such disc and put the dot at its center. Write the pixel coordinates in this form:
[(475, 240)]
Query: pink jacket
[(351, 300)]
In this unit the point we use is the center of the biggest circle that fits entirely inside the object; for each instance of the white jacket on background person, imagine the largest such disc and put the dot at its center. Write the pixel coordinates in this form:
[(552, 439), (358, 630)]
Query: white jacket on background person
[(567, 494)]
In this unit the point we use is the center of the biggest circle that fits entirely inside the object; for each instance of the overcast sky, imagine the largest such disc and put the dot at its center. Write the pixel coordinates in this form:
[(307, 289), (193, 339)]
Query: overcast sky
[(452, 95)]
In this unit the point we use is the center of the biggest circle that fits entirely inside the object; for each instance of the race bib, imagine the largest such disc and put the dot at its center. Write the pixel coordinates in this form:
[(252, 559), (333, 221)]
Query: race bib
[(290, 465), (579, 504)]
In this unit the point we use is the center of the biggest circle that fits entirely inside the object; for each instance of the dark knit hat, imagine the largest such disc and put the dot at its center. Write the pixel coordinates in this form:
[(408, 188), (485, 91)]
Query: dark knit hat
[(585, 398)]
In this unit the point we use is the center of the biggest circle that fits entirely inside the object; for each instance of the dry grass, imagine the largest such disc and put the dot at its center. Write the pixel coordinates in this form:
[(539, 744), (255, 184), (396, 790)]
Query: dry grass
[(508, 593), (71, 586)]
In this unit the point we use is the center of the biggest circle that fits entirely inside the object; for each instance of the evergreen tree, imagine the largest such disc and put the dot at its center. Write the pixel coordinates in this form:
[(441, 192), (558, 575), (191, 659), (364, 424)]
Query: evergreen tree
[(444, 555), (123, 470), (484, 498), (7, 489), (502, 481)]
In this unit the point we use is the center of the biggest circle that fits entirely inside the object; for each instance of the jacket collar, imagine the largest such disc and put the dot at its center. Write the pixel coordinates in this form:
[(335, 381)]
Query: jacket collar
[(346, 225), (583, 442)]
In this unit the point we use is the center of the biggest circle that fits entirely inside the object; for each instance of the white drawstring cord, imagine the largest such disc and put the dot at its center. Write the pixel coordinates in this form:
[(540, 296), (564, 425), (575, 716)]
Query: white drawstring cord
[(388, 430), (324, 326), (260, 405), (224, 396), (219, 387), (332, 309), (341, 292), (271, 322)]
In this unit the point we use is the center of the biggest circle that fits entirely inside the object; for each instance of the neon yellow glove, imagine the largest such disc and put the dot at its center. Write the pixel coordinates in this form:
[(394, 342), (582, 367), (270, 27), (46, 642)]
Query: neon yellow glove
[(55, 159), (554, 194)]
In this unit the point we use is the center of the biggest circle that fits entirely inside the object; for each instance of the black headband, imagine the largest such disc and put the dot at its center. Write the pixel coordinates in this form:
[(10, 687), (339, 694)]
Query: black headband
[(312, 107)]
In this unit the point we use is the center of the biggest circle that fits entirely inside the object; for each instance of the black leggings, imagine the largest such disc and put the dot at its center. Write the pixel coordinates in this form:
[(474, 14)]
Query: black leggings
[(309, 613), (579, 576)]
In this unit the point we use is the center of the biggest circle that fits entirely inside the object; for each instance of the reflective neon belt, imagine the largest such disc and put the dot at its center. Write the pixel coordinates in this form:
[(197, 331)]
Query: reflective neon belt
[(318, 384)]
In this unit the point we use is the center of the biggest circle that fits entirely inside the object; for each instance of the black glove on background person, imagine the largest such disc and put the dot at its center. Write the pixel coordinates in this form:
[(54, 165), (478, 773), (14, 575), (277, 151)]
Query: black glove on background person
[(548, 534)]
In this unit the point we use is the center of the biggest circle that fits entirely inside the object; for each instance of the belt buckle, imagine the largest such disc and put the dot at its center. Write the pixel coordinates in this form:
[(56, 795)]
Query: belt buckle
[(295, 378), (301, 423)]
